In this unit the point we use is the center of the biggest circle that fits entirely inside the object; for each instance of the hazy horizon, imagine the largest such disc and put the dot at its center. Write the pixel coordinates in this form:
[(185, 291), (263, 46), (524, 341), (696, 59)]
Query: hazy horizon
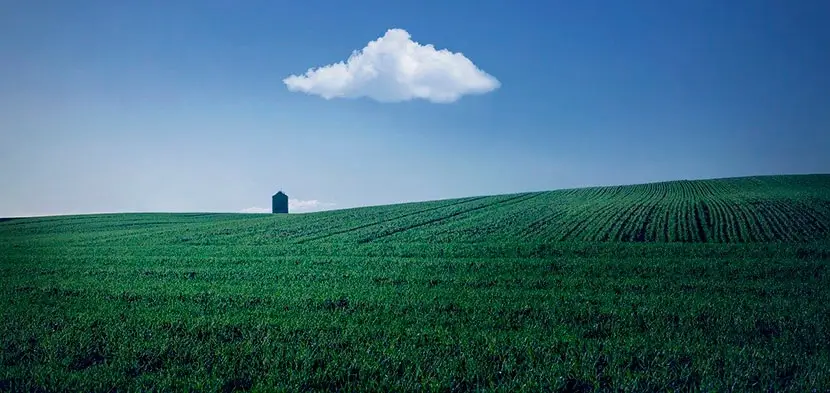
[(314, 206), (213, 107)]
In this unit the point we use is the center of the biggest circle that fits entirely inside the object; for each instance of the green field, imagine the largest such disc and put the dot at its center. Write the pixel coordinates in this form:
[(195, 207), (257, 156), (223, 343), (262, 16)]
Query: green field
[(715, 285)]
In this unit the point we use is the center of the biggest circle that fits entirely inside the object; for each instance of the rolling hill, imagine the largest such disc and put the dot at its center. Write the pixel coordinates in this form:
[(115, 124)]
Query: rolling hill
[(710, 285), (737, 210)]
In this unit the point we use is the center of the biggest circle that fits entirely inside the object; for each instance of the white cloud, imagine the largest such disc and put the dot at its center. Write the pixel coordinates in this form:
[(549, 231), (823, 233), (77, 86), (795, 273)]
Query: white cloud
[(394, 68), (255, 210), (295, 206)]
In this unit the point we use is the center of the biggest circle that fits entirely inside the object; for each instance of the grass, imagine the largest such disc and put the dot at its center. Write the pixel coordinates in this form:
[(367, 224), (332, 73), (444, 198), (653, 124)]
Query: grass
[(717, 285)]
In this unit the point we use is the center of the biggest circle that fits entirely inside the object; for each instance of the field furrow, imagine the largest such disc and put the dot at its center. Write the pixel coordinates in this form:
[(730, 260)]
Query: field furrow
[(440, 218), (385, 221), (573, 229)]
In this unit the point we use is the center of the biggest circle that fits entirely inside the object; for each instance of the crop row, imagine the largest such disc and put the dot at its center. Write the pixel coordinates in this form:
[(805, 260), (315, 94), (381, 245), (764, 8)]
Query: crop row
[(743, 210)]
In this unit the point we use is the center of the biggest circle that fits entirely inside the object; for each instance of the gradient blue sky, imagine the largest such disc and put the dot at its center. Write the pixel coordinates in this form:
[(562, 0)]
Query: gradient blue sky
[(121, 106)]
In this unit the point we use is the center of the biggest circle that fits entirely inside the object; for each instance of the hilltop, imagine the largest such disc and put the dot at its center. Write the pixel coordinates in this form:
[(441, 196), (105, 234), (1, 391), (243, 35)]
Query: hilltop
[(761, 209)]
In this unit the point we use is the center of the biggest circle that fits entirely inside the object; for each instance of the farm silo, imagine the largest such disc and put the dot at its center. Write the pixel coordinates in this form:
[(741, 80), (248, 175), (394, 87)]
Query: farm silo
[(279, 203)]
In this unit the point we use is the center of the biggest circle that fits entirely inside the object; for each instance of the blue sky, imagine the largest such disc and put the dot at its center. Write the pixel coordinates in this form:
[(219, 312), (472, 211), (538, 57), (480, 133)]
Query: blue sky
[(183, 105)]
